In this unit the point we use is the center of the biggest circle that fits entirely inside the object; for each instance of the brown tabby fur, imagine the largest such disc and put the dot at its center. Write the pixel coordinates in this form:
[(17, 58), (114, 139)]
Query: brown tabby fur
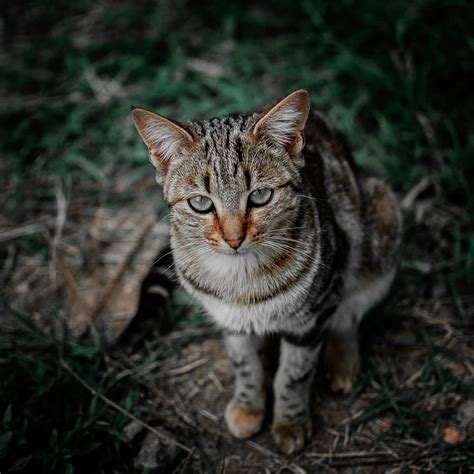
[(306, 265)]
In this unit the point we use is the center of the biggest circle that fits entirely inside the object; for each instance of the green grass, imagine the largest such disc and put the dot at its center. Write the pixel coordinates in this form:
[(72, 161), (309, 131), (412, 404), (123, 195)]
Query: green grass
[(394, 77), (51, 423), (372, 68)]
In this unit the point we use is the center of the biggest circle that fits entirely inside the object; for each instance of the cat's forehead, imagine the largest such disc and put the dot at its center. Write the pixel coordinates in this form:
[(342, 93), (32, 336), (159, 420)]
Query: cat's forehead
[(223, 166), (226, 164), (220, 126)]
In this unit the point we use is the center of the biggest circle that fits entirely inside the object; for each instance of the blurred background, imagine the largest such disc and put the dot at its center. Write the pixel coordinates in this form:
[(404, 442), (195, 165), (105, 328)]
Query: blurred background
[(79, 232)]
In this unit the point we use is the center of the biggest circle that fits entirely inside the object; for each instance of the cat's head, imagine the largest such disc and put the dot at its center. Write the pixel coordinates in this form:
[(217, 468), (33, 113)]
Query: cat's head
[(231, 181)]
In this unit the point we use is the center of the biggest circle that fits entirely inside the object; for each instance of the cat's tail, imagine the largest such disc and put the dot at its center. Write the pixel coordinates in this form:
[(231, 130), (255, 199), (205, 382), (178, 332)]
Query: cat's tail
[(153, 314)]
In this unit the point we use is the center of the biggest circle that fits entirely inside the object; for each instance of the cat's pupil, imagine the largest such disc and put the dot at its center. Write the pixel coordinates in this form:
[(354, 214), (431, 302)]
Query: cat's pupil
[(260, 197), (200, 204)]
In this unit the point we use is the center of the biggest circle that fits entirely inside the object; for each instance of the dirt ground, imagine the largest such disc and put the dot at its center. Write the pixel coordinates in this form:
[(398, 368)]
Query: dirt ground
[(195, 382), (411, 410)]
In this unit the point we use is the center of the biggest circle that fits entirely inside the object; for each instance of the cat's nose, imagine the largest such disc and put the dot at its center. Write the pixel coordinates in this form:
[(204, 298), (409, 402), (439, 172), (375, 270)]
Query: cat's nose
[(234, 242)]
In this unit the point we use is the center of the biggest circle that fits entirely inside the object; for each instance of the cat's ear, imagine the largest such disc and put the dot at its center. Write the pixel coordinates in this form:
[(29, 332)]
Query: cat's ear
[(284, 123), (163, 138)]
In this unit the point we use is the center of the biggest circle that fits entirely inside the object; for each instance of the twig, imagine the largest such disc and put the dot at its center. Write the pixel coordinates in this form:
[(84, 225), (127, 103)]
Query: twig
[(117, 407), (184, 462), (61, 207), (207, 414), (186, 368), (353, 417), (414, 192), (362, 454), (112, 285), (276, 457), (216, 381), (188, 334), (25, 230), (379, 462), (8, 265), (74, 295)]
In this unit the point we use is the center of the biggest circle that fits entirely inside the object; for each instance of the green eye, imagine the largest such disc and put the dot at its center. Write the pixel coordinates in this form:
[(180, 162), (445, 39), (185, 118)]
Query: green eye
[(201, 204), (260, 197)]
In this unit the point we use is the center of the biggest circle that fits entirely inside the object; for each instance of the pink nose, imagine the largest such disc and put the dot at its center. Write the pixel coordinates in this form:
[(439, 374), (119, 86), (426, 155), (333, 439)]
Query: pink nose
[(234, 242)]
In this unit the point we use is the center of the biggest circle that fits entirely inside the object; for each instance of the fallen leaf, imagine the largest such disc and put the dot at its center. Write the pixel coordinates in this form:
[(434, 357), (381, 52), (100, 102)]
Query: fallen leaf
[(22, 288), (452, 435), (386, 423)]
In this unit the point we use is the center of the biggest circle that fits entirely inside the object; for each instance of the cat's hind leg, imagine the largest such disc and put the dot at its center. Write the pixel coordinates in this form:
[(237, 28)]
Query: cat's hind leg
[(342, 349), (342, 360)]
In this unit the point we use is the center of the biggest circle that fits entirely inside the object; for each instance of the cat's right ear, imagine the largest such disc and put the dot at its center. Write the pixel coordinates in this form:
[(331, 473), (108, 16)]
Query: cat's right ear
[(164, 138)]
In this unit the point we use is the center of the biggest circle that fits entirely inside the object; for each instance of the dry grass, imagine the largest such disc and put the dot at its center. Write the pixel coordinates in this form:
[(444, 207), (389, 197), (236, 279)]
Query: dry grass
[(76, 196), (414, 392)]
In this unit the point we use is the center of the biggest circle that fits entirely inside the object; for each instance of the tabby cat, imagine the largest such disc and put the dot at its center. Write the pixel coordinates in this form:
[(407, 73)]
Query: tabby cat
[(276, 231)]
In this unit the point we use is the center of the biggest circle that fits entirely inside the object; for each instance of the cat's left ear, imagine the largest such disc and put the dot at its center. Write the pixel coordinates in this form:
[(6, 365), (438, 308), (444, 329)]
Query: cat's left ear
[(283, 124)]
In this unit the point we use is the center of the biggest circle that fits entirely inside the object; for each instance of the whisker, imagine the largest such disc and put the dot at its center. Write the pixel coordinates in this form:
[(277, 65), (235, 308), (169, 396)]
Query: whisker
[(163, 218), (277, 238), (311, 197), (291, 250), (184, 246), (287, 228), (168, 268), (160, 258)]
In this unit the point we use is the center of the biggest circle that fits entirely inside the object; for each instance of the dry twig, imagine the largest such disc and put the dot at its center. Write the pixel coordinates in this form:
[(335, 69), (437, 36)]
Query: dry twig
[(112, 285), (71, 287), (117, 407)]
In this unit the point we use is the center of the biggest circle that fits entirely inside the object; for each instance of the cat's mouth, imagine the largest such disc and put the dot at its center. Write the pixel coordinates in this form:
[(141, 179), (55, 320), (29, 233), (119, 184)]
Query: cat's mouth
[(231, 252)]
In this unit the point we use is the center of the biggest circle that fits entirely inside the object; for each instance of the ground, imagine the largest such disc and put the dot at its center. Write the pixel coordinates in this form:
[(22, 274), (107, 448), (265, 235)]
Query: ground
[(411, 408), (79, 232)]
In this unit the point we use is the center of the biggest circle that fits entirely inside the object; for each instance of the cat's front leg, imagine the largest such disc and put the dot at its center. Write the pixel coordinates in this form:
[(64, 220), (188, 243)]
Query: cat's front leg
[(244, 414), (292, 418)]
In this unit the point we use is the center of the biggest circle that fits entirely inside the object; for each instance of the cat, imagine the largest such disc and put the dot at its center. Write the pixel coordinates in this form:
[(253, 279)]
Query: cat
[(275, 230)]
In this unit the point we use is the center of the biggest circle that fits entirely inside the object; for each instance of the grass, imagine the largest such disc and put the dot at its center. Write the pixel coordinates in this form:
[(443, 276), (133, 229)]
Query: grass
[(395, 78), (50, 422)]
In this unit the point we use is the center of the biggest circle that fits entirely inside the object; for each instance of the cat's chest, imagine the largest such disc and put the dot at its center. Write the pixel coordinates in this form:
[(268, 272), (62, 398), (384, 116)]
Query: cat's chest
[(246, 294), (262, 318), (240, 302)]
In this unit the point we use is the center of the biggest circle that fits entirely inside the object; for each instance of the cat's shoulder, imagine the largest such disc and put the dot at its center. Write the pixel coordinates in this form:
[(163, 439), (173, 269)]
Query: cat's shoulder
[(324, 138)]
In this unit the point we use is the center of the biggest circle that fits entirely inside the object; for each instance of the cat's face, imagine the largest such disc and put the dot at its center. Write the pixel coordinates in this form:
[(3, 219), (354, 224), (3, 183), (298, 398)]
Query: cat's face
[(230, 182), (232, 201)]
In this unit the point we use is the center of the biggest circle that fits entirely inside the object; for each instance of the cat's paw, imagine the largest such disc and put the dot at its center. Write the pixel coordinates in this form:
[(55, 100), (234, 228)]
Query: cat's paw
[(243, 421), (344, 376), (342, 366), (343, 383), (290, 436)]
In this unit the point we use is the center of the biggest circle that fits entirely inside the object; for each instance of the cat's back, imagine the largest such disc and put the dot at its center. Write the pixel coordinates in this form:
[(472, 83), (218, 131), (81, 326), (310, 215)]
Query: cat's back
[(363, 206)]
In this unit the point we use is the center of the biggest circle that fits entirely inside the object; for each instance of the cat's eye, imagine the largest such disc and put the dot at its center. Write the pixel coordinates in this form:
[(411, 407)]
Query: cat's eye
[(260, 197), (201, 204)]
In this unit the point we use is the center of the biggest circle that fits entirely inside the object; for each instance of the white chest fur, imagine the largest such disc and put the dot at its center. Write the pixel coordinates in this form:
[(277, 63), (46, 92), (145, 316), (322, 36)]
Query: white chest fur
[(268, 316)]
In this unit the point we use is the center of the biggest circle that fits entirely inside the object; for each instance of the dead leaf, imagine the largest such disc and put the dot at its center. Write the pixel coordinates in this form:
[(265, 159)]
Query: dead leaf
[(22, 288), (386, 423), (452, 435)]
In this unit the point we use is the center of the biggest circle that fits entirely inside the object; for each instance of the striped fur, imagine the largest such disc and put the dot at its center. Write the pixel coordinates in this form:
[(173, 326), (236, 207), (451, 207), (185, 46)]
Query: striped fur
[(311, 263)]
